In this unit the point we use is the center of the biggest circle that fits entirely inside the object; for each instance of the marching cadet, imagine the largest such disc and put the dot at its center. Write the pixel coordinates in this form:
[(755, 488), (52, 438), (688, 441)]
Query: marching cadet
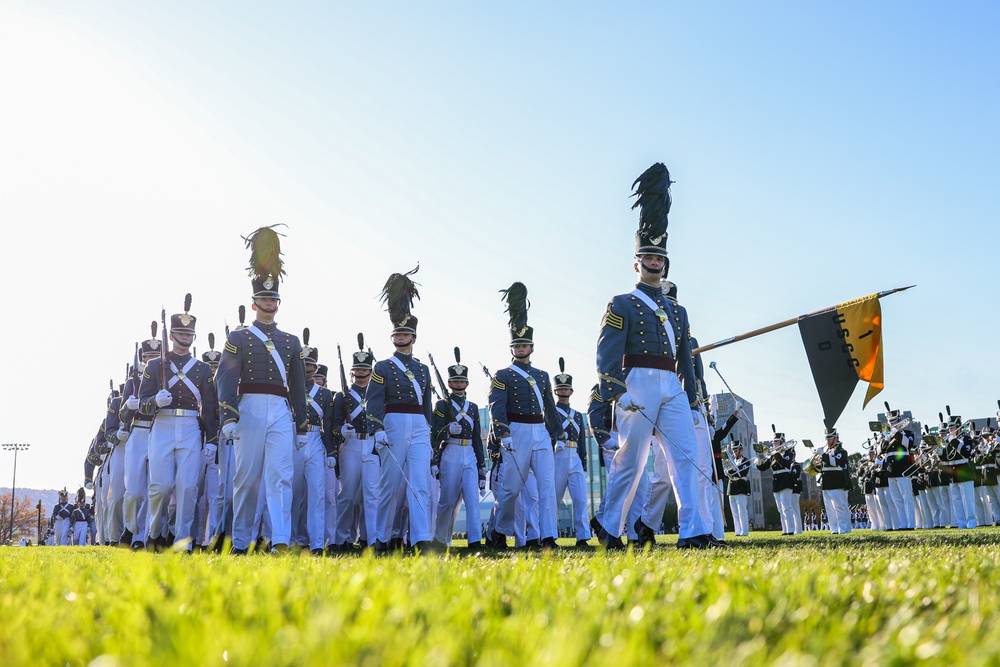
[(896, 450), (643, 354), (834, 481), (261, 385), (462, 468), (571, 455), (399, 415), (739, 490), (868, 477), (958, 457), (81, 517), (176, 390), (359, 465), (600, 416), (779, 462), (313, 455), (136, 498), (523, 418), (209, 500), (62, 515), (114, 481)]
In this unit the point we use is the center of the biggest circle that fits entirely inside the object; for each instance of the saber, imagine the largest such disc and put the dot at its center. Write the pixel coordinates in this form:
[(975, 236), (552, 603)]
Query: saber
[(220, 530), (690, 460), (388, 448), (509, 448), (742, 411)]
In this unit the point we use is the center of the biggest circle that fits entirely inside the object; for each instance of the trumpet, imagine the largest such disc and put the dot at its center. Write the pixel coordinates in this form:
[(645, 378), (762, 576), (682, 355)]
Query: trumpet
[(765, 451), (815, 464)]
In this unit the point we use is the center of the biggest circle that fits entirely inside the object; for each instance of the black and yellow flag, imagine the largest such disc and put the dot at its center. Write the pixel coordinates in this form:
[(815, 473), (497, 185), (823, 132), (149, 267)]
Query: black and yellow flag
[(844, 345)]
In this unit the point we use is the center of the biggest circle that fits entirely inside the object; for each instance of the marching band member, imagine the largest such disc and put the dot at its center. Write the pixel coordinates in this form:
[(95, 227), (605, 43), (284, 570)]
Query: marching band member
[(896, 450), (739, 490), (835, 481), (780, 462)]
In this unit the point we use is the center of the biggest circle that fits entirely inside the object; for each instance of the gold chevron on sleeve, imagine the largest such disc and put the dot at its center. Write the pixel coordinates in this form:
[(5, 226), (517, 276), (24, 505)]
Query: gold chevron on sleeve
[(377, 378), (230, 348), (497, 384), (612, 320)]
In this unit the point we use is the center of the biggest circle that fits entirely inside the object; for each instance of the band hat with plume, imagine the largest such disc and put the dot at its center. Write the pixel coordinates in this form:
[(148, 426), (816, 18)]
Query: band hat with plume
[(398, 294), (310, 355), (563, 380), (266, 266), (516, 297), (777, 436), (653, 200), (213, 356), (183, 323), (459, 372), (363, 359), (831, 433), (151, 347)]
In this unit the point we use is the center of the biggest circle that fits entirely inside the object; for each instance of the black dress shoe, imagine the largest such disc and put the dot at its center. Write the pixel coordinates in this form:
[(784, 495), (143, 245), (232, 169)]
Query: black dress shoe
[(716, 543), (137, 545), (583, 545), (238, 552), (548, 544), (609, 542), (316, 552), (497, 542), (474, 547), (126, 538), (531, 545), (644, 534)]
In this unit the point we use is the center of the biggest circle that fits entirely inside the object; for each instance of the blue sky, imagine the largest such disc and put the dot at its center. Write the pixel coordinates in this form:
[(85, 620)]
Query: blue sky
[(820, 153)]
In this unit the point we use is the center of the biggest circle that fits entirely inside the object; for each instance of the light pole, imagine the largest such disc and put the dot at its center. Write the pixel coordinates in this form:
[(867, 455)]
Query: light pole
[(14, 447)]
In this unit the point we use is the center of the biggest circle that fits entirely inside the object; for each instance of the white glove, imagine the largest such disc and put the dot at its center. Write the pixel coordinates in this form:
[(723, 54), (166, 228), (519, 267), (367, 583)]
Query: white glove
[(229, 431), (455, 428), (696, 416), (482, 485), (89, 486), (122, 436), (611, 443), (348, 430), (560, 446), (382, 439), (163, 398), (739, 406), (331, 462), (208, 451), (300, 441), (132, 403), (505, 443), (626, 402), (435, 471)]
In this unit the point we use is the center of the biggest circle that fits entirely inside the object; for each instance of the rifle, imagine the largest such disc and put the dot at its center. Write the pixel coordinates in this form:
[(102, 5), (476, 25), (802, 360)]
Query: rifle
[(163, 349), (135, 372), (443, 386), (343, 376)]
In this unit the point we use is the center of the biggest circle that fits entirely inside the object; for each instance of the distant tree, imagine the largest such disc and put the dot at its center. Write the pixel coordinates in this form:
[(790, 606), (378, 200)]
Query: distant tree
[(25, 518)]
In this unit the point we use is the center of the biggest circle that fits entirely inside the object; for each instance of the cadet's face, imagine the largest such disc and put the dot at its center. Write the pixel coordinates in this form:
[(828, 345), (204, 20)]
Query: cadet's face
[(650, 266), (522, 350), (403, 339), (310, 371), (266, 304), (458, 385), (182, 339), (361, 373), (320, 381), (563, 393)]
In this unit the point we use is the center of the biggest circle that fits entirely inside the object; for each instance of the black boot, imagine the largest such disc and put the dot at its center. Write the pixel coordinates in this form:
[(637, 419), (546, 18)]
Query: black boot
[(644, 534)]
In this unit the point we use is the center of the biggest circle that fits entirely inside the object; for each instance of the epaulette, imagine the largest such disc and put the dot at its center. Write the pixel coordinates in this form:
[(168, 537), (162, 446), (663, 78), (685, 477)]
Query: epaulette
[(612, 320), (497, 384), (377, 378), (230, 348)]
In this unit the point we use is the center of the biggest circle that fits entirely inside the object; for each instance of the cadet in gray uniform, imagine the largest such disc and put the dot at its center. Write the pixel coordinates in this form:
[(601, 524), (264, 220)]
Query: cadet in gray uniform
[(61, 519), (570, 455), (399, 409), (176, 397), (261, 384), (645, 365), (524, 419)]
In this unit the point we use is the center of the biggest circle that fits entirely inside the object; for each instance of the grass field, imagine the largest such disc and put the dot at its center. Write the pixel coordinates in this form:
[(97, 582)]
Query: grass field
[(862, 599)]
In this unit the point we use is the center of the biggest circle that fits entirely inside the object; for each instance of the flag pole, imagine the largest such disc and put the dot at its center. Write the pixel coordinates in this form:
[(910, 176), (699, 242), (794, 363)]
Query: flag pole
[(780, 325)]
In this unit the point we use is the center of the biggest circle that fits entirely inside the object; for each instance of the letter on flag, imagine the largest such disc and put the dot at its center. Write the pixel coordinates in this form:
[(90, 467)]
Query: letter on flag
[(844, 345)]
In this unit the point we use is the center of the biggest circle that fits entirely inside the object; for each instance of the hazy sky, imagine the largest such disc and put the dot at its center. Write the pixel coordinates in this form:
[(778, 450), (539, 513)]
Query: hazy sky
[(821, 152)]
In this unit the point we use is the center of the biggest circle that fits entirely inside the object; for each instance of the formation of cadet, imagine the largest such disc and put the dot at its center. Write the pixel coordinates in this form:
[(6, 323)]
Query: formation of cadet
[(249, 444)]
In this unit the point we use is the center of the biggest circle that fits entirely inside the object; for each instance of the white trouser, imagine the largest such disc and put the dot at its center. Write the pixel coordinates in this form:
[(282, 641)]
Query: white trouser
[(838, 510), (263, 452), (569, 474), (136, 498), (639, 500), (80, 533), (741, 519), (309, 491), (925, 517), (991, 497), (901, 492), (100, 502), (435, 491), (526, 512), (115, 482), (532, 452), (359, 480), (174, 458), (963, 500), (222, 510), (796, 513), (331, 496), (711, 492), (62, 531), (874, 512), (888, 508), (213, 496), (675, 458), (786, 510), (459, 478), (406, 469), (938, 497)]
